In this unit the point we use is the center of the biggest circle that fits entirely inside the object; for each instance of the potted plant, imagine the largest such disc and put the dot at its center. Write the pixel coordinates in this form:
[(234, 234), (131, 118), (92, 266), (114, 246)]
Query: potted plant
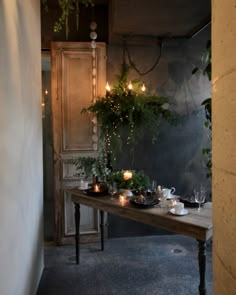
[(129, 180), (91, 168)]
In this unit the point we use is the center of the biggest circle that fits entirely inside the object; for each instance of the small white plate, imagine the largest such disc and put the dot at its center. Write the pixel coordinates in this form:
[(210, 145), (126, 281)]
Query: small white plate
[(173, 197), (183, 212)]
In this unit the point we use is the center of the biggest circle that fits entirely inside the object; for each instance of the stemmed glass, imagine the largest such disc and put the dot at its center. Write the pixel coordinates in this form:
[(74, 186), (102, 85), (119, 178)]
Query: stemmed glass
[(112, 189), (200, 197), (153, 186)]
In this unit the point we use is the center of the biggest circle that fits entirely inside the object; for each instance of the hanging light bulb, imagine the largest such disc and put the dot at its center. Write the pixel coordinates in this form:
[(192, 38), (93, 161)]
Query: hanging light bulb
[(130, 86), (143, 88)]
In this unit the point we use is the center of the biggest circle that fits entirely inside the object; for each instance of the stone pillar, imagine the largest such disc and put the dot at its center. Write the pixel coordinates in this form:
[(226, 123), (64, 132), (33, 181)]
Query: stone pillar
[(224, 146)]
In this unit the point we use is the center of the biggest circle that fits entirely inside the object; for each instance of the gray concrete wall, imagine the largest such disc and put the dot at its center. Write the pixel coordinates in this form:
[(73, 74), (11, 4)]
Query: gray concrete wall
[(21, 176), (176, 158)]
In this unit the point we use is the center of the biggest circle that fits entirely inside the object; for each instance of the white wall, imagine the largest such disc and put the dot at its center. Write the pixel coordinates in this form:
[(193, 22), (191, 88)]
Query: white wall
[(21, 177)]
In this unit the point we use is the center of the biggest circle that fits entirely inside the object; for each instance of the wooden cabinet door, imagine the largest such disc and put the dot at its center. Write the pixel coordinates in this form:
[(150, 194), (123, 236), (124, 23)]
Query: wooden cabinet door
[(78, 77)]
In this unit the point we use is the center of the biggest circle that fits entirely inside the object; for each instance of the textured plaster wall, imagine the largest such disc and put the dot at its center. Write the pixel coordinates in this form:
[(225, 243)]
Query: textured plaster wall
[(224, 147), (176, 158), (21, 177)]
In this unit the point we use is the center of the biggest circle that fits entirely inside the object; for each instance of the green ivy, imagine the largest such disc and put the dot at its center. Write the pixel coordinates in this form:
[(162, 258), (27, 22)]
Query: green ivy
[(207, 106), (125, 115)]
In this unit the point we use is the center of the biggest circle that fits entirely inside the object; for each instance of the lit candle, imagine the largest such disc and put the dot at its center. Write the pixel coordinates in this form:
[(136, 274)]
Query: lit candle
[(143, 88), (122, 199), (97, 188), (46, 92), (172, 203), (130, 86), (127, 175), (108, 88)]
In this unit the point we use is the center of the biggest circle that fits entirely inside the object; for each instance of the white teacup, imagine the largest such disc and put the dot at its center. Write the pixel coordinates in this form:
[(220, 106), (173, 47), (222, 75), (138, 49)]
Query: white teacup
[(167, 192), (126, 192), (179, 207), (83, 184)]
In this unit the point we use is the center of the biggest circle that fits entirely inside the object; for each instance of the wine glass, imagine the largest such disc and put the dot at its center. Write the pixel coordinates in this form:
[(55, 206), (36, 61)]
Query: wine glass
[(162, 198), (200, 197), (153, 186), (112, 189)]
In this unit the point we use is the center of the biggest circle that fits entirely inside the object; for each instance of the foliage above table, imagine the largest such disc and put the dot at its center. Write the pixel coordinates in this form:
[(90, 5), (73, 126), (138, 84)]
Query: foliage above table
[(125, 114)]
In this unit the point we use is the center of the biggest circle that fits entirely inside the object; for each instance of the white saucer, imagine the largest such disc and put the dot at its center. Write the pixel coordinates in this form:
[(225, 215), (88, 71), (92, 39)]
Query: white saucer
[(183, 212), (173, 197)]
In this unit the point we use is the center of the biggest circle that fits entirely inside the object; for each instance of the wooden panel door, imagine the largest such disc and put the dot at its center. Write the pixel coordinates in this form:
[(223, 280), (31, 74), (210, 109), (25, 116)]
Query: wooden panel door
[(78, 77)]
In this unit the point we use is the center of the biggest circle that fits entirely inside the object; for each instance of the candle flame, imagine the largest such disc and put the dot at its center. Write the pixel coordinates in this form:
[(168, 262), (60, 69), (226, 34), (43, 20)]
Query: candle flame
[(122, 199), (127, 175), (143, 88), (97, 188), (130, 86), (108, 88)]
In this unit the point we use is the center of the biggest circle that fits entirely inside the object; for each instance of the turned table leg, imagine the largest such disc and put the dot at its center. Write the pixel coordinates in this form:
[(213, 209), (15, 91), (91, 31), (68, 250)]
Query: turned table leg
[(102, 229), (77, 234), (202, 266)]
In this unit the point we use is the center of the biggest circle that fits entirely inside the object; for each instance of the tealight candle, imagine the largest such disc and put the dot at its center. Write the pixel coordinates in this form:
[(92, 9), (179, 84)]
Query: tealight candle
[(122, 199), (97, 188), (127, 175), (173, 203)]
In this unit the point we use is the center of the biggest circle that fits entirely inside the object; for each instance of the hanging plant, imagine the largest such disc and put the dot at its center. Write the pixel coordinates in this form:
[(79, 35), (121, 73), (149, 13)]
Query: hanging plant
[(207, 106), (126, 112), (68, 7)]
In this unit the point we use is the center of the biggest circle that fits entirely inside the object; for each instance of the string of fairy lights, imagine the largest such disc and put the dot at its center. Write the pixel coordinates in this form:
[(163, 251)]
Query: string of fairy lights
[(115, 108)]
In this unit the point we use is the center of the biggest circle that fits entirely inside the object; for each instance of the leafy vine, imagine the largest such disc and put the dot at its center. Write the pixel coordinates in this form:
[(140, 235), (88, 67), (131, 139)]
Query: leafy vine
[(68, 7), (207, 106), (124, 115)]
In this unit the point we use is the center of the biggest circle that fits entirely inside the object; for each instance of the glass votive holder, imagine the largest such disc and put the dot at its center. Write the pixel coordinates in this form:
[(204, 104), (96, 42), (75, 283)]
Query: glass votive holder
[(172, 203), (96, 187), (123, 200)]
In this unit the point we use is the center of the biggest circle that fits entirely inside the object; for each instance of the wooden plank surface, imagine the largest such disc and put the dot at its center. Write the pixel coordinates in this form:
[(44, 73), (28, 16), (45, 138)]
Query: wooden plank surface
[(196, 224)]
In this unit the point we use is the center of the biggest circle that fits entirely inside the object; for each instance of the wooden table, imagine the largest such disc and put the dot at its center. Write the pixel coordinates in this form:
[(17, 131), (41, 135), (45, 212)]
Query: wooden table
[(197, 225)]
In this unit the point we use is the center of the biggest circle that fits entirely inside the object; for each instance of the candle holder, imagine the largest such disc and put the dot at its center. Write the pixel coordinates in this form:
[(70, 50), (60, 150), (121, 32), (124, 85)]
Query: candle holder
[(96, 188), (127, 175), (123, 200)]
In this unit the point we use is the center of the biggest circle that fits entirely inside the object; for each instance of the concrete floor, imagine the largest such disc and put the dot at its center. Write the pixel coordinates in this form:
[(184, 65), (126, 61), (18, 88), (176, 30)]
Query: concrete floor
[(160, 265)]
